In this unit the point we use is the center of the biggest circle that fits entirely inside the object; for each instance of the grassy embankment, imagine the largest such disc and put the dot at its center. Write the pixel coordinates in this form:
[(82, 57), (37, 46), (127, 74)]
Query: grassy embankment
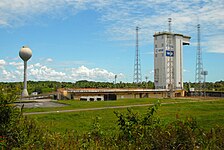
[(207, 113)]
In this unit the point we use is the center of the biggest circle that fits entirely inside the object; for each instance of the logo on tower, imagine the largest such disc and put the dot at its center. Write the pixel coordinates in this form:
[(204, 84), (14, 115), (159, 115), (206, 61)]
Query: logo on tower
[(169, 53)]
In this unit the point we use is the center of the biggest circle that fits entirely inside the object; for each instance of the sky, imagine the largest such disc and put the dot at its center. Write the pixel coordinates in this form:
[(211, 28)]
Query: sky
[(94, 40)]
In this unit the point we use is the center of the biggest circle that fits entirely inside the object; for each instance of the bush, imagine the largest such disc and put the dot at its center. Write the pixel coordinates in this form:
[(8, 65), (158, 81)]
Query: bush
[(135, 131), (9, 114), (17, 131), (146, 132)]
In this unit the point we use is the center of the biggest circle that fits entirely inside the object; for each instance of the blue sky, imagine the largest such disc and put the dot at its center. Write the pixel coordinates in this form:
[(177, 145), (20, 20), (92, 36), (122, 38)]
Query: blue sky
[(95, 39)]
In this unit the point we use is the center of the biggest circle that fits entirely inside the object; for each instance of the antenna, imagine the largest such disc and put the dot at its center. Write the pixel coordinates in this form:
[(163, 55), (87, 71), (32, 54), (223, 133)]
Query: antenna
[(199, 65), (137, 65), (170, 60), (169, 23)]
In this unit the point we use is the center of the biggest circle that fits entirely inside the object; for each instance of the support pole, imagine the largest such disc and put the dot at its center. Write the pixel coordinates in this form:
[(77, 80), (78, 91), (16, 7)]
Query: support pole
[(25, 92)]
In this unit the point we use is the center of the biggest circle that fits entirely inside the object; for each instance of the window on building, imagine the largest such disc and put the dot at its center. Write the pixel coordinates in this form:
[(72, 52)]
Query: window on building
[(162, 44), (155, 55), (155, 37), (155, 45)]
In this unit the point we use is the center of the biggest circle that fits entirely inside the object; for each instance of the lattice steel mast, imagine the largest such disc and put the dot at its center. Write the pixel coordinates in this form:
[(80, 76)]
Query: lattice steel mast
[(199, 64), (170, 60), (137, 65)]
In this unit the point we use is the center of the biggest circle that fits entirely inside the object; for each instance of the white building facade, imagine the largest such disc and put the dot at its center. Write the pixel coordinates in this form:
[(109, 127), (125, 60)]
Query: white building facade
[(168, 59)]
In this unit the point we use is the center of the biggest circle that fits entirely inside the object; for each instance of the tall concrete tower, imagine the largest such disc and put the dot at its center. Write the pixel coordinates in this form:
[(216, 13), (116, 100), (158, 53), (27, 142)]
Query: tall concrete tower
[(168, 47), (25, 54)]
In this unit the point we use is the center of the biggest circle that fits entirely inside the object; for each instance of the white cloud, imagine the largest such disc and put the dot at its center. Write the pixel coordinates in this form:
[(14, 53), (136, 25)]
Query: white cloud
[(148, 53), (20, 11), (18, 73), (7, 75), (96, 74), (49, 60), (185, 70), (151, 16), (216, 44), (41, 72), (37, 65), (2, 62), (18, 65)]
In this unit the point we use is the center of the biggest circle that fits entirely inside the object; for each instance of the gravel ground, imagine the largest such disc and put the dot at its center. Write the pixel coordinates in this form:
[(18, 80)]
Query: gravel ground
[(39, 103)]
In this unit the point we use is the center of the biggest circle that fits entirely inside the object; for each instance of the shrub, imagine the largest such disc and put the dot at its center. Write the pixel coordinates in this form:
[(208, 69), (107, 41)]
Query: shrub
[(135, 131), (17, 131), (9, 114)]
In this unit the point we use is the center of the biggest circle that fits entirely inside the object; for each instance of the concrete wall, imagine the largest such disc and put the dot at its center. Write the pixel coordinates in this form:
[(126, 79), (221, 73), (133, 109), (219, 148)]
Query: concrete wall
[(159, 61)]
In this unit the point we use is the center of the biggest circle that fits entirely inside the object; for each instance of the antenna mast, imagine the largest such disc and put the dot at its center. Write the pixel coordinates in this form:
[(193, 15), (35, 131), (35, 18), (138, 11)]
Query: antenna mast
[(137, 65), (169, 23), (199, 65), (170, 60)]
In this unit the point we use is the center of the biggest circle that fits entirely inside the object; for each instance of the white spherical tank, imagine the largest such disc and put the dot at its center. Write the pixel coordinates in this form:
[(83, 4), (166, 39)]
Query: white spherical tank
[(25, 53)]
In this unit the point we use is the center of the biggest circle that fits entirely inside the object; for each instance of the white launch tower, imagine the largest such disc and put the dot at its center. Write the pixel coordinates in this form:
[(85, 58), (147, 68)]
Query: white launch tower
[(168, 62)]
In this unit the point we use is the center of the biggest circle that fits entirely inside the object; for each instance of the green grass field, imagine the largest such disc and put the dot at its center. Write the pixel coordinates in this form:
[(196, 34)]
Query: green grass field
[(75, 104), (207, 113)]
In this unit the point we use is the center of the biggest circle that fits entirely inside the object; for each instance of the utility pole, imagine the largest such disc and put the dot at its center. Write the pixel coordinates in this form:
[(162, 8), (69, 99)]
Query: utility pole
[(137, 65), (146, 81), (115, 79)]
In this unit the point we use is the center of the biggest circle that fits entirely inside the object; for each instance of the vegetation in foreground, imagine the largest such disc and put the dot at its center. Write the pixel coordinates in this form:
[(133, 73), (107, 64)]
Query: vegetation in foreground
[(135, 131)]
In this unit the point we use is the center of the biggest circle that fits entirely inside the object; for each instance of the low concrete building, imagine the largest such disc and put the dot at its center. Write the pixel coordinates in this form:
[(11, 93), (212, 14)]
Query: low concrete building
[(90, 94)]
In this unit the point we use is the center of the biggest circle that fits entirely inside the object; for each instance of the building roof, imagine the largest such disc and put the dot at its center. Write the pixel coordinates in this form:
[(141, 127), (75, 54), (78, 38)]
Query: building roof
[(170, 33), (108, 90)]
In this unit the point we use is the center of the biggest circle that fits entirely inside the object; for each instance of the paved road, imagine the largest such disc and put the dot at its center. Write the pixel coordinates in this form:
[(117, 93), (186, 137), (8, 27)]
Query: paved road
[(39, 103), (117, 107)]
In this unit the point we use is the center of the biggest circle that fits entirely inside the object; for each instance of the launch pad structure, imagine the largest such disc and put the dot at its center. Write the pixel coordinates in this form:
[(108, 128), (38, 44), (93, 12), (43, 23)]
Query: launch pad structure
[(168, 76), (168, 60)]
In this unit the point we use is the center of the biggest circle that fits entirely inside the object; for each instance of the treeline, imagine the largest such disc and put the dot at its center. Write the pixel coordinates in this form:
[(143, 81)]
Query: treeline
[(51, 86), (208, 86)]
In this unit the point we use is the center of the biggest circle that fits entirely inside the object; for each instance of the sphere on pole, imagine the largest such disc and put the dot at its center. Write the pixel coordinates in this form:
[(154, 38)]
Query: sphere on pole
[(25, 54)]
